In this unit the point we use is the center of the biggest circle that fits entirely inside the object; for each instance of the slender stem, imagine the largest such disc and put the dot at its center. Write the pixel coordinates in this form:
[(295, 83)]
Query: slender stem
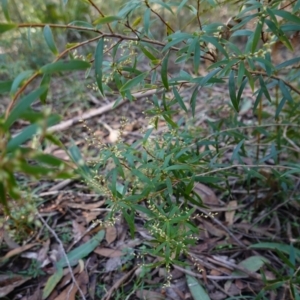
[(101, 13)]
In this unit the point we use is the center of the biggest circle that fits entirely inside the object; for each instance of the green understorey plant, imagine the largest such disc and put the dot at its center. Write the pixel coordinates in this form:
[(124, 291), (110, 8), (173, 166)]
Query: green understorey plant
[(155, 177)]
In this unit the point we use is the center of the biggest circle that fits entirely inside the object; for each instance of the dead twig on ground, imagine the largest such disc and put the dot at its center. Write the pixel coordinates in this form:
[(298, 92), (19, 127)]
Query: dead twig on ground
[(65, 256)]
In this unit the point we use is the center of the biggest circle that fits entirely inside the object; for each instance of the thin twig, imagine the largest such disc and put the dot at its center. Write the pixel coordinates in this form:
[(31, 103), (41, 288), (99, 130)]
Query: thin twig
[(65, 256), (223, 227), (98, 111), (101, 13)]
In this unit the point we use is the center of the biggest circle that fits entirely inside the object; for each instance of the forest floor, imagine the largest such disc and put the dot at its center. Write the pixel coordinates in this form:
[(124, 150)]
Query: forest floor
[(237, 249)]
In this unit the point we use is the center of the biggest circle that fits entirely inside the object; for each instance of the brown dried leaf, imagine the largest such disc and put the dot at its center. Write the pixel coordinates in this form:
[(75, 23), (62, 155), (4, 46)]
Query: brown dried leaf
[(90, 216), (17, 251), (42, 253), (107, 252), (9, 282), (78, 230), (112, 264), (214, 230), (86, 206), (207, 194), (111, 234), (71, 290), (149, 295), (229, 215)]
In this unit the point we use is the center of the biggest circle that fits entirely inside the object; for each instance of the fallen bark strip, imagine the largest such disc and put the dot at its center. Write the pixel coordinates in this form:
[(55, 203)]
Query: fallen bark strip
[(98, 111)]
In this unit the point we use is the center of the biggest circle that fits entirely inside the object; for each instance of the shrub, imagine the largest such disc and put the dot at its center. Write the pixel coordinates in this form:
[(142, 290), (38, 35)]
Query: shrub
[(155, 176)]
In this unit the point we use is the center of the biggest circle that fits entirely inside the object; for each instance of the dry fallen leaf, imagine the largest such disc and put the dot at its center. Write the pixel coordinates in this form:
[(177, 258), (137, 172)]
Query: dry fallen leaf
[(71, 290), (111, 234), (229, 215), (112, 264), (207, 194), (17, 251), (9, 282), (85, 206), (78, 230), (149, 295), (107, 252), (213, 230)]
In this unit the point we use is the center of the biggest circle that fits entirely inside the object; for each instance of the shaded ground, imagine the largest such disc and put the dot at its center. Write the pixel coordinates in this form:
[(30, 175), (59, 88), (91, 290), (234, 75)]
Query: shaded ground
[(225, 257)]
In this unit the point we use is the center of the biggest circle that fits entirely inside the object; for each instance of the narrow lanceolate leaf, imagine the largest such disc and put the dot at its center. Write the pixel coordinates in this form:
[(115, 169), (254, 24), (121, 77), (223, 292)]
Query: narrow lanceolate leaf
[(5, 10), (232, 91), (50, 40), (179, 99), (285, 92), (52, 281), (194, 99), (196, 289), (82, 251), (106, 20), (19, 79), (164, 71), (257, 34), (22, 105), (45, 82), (28, 132), (7, 26), (61, 66), (98, 64), (133, 82)]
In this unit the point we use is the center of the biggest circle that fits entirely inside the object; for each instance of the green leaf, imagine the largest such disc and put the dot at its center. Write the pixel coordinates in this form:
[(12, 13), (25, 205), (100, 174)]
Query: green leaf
[(133, 82), (264, 88), (170, 121), (22, 105), (287, 16), (179, 99), (235, 154), (196, 289), (7, 26), (252, 264), (61, 66), (288, 63), (27, 133), (178, 167), (45, 82), (232, 91), (197, 57), (148, 54), (241, 73), (98, 64), (164, 71), (214, 41), (83, 169), (19, 79), (129, 217), (285, 92), (105, 20), (5, 10), (147, 15), (180, 6), (52, 281), (82, 251), (257, 34), (5, 86), (82, 24), (280, 247), (194, 99), (50, 40), (3, 199)]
